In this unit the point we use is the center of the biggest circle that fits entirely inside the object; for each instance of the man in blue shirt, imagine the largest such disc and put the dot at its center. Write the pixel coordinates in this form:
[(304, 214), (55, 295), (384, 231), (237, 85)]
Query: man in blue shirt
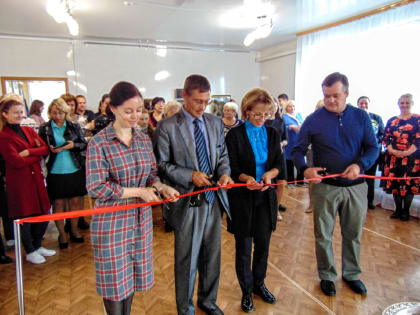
[(343, 142)]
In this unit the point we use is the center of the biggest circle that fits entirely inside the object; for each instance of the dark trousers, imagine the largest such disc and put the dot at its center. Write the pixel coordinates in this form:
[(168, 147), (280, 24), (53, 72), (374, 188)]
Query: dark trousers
[(291, 172), (371, 182), (2, 251), (32, 234), (197, 247), (249, 277), (7, 223)]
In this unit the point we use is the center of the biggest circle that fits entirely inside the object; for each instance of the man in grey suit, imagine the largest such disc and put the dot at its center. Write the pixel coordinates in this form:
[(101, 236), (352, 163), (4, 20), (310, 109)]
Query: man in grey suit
[(191, 153)]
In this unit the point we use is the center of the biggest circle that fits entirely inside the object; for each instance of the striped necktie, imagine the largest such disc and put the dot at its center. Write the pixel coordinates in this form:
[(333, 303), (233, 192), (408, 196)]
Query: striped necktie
[(202, 156)]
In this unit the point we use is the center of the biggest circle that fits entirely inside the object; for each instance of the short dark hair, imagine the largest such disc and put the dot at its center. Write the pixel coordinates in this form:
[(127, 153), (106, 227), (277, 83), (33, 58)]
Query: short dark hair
[(80, 95), (121, 92), (362, 97), (283, 97), (336, 77), (36, 107), (157, 100), (196, 82)]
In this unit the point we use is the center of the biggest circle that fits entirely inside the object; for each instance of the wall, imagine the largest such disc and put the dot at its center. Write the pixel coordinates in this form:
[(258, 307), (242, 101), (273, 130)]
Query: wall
[(100, 66), (278, 65)]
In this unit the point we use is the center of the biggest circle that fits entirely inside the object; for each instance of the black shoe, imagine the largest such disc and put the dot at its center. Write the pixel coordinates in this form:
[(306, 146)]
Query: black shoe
[(405, 216), (282, 208), (168, 227), (5, 260), (396, 215), (75, 239), (214, 310), (371, 206), (247, 304), (328, 287), (82, 224), (62, 245), (356, 286), (263, 293)]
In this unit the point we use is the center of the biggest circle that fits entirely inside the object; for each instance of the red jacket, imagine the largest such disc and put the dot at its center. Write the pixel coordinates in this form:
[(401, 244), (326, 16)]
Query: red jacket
[(26, 192)]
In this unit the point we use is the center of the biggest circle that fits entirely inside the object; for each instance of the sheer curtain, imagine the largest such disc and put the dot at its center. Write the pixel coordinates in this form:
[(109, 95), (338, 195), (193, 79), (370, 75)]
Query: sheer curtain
[(379, 54)]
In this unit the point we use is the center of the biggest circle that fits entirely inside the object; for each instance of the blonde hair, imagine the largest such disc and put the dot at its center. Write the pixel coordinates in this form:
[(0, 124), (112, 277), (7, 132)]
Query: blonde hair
[(232, 105), (61, 106), (6, 102), (254, 97), (171, 105)]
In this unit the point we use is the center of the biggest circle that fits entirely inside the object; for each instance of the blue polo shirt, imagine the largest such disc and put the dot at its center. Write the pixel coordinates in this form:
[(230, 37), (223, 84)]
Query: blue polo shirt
[(338, 140)]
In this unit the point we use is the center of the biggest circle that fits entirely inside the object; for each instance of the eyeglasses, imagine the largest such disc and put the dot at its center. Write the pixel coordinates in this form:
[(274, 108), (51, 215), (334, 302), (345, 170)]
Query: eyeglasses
[(260, 115)]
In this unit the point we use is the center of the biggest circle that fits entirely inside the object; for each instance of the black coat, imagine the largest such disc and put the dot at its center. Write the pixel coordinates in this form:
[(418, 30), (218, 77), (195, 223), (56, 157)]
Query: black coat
[(73, 133), (242, 161)]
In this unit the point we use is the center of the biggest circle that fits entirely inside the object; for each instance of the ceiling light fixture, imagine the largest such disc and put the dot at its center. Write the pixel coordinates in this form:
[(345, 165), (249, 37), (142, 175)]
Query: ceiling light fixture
[(60, 10), (263, 30)]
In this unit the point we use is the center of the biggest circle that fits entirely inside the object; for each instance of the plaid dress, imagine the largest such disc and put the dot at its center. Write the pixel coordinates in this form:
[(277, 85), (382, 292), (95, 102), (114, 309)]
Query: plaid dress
[(122, 240)]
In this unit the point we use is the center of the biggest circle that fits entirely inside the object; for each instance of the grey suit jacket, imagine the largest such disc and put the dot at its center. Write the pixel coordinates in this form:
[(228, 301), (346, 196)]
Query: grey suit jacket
[(176, 156)]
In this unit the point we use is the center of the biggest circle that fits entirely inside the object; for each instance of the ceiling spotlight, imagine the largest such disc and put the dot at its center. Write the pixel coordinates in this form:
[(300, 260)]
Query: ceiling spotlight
[(128, 3), (161, 75)]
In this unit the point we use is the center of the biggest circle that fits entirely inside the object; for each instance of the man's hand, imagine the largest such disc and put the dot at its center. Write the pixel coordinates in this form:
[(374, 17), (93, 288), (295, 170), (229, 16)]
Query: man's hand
[(225, 180), (200, 179), (352, 172), (312, 172)]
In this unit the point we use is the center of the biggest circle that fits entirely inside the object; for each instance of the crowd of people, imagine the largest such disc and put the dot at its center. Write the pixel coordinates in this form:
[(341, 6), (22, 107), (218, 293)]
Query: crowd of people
[(125, 154)]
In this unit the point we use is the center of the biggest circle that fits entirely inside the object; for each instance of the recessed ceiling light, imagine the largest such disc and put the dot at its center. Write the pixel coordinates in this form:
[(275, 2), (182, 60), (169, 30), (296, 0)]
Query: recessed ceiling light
[(128, 3)]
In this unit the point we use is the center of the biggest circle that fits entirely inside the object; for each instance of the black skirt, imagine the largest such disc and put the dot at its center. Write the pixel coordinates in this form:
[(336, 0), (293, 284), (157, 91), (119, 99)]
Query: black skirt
[(65, 186)]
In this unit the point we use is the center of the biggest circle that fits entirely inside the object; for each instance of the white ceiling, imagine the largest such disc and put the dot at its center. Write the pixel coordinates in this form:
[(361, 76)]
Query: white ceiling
[(180, 22)]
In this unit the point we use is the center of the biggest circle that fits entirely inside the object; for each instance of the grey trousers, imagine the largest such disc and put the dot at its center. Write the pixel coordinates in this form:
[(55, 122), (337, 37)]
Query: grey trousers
[(351, 204), (197, 247)]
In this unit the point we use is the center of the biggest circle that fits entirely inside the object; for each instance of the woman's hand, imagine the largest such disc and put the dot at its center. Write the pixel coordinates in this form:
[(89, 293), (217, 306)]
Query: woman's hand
[(294, 127), (283, 143), (68, 146), (167, 191), (24, 153), (267, 177), (253, 184), (148, 194)]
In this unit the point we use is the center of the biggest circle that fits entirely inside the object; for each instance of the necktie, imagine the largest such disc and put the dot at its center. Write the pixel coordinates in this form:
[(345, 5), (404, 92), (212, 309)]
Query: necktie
[(202, 156)]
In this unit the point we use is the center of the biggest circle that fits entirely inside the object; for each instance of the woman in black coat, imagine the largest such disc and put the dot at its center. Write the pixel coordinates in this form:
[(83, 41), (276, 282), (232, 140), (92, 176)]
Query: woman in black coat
[(66, 183), (255, 158)]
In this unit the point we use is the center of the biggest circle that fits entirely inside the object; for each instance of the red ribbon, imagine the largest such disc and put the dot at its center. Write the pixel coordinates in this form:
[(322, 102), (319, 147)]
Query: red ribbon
[(89, 212)]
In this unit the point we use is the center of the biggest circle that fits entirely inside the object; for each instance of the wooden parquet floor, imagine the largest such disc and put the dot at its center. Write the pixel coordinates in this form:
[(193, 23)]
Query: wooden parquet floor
[(390, 259)]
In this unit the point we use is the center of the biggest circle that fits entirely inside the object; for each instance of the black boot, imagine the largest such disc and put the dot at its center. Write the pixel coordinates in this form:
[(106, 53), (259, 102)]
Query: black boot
[(398, 207), (405, 214)]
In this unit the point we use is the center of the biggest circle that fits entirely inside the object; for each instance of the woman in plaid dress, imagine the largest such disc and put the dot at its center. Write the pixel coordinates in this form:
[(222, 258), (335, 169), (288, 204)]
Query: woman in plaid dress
[(121, 169)]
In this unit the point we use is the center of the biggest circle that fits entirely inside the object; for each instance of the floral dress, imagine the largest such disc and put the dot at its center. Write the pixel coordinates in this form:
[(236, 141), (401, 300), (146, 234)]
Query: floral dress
[(401, 134)]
